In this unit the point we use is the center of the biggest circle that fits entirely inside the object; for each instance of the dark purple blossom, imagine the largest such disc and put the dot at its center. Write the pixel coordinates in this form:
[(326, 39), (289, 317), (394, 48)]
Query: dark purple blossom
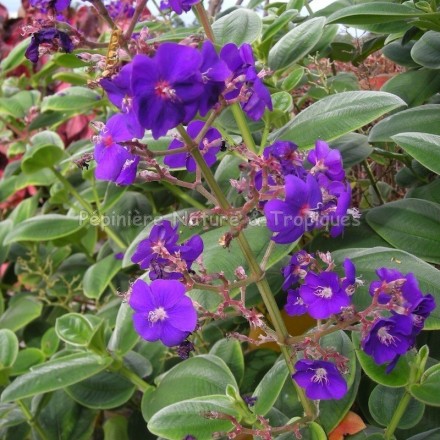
[(120, 9), (115, 162), (327, 161), (389, 337), (296, 269), (299, 211), (320, 379), (154, 252), (349, 282), (46, 6), (54, 37), (420, 310), (323, 294), (162, 311), (214, 74), (184, 349), (295, 304), (167, 87), (245, 83), (118, 87), (209, 146), (286, 153), (178, 6)]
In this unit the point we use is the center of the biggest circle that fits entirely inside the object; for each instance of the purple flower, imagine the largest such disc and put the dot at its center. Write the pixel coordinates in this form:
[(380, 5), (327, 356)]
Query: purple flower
[(50, 5), (389, 337), (349, 282), (323, 294), (154, 252), (178, 6), (296, 268), (118, 87), (327, 161), (119, 9), (54, 37), (299, 211), (214, 74), (167, 87), (420, 310), (286, 153), (320, 379), (162, 311), (113, 161), (295, 304), (162, 236), (209, 146), (245, 81)]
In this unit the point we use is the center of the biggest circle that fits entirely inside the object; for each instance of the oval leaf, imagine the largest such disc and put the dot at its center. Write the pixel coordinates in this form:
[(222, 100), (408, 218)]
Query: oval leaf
[(296, 44), (423, 147), (99, 275), (426, 51), (240, 26), (337, 115), (74, 329), (8, 348), (55, 374), (411, 225), (429, 389)]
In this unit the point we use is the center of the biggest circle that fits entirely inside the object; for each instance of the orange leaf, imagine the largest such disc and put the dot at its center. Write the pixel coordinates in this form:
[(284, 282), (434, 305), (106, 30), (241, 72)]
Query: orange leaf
[(350, 424)]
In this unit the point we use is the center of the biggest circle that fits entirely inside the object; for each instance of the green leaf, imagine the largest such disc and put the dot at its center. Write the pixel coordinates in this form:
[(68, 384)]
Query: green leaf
[(397, 378), (187, 418), (8, 348), (19, 104), (371, 13), (428, 391), (428, 435), (64, 419), (383, 403), (230, 351), (400, 53), (102, 391), (414, 87), (367, 261), (46, 149), (26, 359), (296, 44), (99, 275), (278, 24), (293, 79), (44, 228), (240, 26), (337, 115), (426, 51), (73, 99), (55, 374), (423, 147), (270, 387), (411, 225), (430, 192), (198, 376), (20, 313), (50, 342), (15, 57), (354, 148), (74, 329), (124, 337), (423, 119)]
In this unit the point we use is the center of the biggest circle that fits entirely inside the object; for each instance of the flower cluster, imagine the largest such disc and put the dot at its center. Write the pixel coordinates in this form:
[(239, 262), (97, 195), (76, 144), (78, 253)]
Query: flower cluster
[(51, 37), (178, 6), (320, 293), (46, 6), (162, 256), (386, 338), (314, 198)]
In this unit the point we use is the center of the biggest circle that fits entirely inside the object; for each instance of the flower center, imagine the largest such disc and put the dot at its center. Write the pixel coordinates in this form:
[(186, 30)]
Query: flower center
[(108, 140), (158, 314), (324, 292), (386, 338), (320, 376), (164, 90)]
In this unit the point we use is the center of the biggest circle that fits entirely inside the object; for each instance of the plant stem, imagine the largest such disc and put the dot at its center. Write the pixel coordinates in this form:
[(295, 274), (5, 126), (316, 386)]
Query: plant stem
[(204, 21), (183, 195), (137, 13), (134, 379), (257, 272), (398, 414), (33, 422), (86, 205), (264, 137), (240, 119), (373, 181)]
